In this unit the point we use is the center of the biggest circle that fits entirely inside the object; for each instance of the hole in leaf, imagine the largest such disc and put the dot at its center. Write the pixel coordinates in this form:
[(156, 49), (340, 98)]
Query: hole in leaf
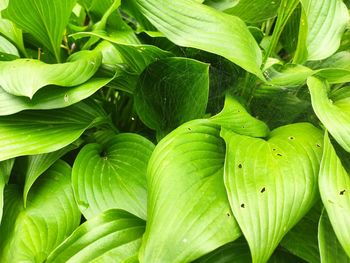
[(342, 192), (240, 166), (291, 138), (242, 205), (263, 190)]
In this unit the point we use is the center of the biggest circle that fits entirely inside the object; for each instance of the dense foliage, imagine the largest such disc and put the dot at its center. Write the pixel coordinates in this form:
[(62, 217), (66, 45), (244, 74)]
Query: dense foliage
[(173, 131)]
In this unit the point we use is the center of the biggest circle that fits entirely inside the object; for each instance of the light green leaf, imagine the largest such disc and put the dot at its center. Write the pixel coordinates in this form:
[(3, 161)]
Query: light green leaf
[(7, 47), (254, 11), (113, 175), (330, 249), (24, 77), (50, 97), (29, 235), (325, 24), (333, 114), (112, 236), (5, 171), (37, 132), (236, 118), (302, 240), (209, 30), (45, 20), (271, 184), (221, 4), (188, 211), (38, 164), (334, 184), (288, 75), (170, 92)]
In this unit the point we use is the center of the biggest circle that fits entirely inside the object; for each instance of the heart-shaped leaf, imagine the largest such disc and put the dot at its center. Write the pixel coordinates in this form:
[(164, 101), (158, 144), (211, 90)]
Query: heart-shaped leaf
[(229, 36), (333, 114), (271, 184), (334, 183), (112, 236), (30, 234), (46, 20), (170, 92), (24, 77), (188, 211), (113, 175), (37, 132), (330, 248)]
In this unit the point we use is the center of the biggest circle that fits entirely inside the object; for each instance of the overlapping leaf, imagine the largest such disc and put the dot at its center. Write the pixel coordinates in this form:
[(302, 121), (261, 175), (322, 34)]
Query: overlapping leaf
[(24, 77), (271, 184), (191, 24), (37, 132), (113, 175), (334, 183), (112, 236), (188, 211), (29, 235), (5, 171)]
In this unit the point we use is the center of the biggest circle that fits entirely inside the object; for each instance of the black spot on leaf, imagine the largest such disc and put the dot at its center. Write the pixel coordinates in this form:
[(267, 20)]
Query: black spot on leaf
[(279, 154), (240, 166), (242, 205), (262, 190), (342, 192), (291, 138)]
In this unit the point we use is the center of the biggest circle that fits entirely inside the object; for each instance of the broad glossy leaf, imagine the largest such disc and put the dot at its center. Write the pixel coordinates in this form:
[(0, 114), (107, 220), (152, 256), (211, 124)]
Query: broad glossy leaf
[(333, 114), (113, 175), (208, 29), (112, 236), (45, 20), (30, 234), (36, 165), (5, 171), (24, 77), (254, 11), (37, 132), (50, 97), (325, 23), (271, 184), (330, 249), (302, 239), (236, 118), (334, 184), (188, 211), (7, 47), (288, 75), (221, 4)]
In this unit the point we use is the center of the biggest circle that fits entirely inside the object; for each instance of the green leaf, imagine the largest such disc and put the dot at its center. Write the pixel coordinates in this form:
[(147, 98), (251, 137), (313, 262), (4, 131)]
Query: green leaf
[(333, 114), (208, 29), (170, 92), (24, 77), (7, 47), (29, 235), (50, 97), (271, 184), (5, 171), (37, 132), (188, 211), (325, 24), (288, 75), (38, 164), (254, 11), (330, 249), (302, 239), (334, 184), (236, 118), (45, 20), (112, 236), (113, 175)]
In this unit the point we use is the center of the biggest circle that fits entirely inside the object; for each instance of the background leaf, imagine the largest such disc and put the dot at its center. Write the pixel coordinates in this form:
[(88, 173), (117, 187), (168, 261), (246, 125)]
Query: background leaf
[(5, 171), (112, 236)]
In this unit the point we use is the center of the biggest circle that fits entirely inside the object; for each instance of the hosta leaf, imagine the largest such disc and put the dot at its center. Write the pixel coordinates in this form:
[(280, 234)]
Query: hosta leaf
[(113, 175), (170, 92), (236, 118), (46, 20), (333, 114), (326, 21), (37, 132), (50, 97), (188, 211), (334, 183), (112, 236), (30, 234), (271, 184), (229, 36), (7, 47), (38, 164), (24, 77), (302, 240), (5, 171), (330, 249)]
